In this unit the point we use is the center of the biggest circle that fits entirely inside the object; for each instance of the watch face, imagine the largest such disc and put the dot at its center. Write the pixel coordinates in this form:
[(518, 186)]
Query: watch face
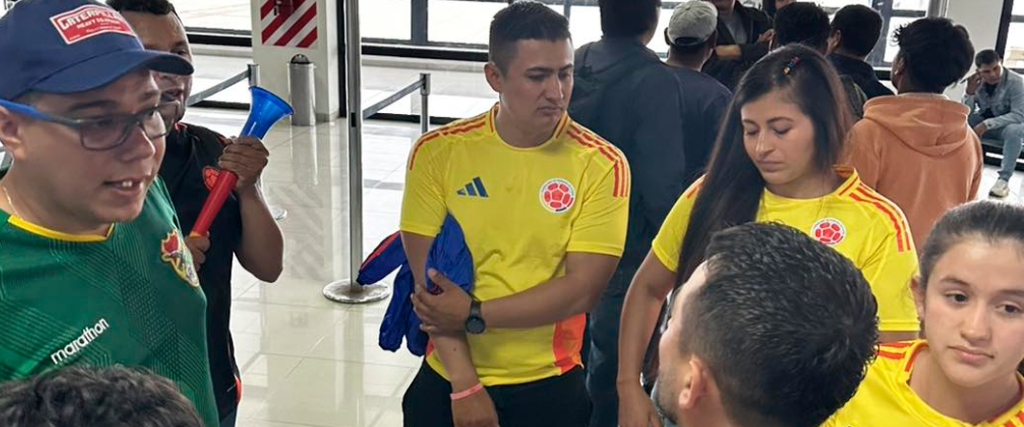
[(475, 325)]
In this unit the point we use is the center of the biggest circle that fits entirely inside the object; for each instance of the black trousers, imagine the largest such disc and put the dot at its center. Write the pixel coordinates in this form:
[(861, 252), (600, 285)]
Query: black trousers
[(560, 401)]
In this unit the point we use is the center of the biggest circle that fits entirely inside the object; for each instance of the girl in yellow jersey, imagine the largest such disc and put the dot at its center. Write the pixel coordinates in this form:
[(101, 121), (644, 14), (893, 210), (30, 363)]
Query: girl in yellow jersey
[(970, 297), (775, 161)]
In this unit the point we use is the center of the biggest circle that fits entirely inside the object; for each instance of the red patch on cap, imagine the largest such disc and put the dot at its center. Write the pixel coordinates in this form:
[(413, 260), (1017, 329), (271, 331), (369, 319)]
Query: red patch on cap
[(88, 21)]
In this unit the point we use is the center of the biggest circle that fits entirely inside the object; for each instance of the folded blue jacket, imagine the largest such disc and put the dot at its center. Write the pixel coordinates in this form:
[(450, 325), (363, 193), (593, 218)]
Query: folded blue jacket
[(448, 255)]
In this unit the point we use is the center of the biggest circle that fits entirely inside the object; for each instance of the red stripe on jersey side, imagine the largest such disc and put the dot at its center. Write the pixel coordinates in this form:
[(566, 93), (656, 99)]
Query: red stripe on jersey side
[(466, 129), (910, 362), (430, 348), (1020, 417), (848, 188), (615, 167), (567, 342), (457, 126), (695, 187), (890, 355), (618, 190), (380, 248), (898, 344), (858, 196), (609, 151), (876, 197), (425, 139), (1009, 424)]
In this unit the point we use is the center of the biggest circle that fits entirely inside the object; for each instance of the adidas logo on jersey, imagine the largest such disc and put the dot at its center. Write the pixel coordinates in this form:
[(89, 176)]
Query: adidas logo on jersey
[(89, 334), (475, 188)]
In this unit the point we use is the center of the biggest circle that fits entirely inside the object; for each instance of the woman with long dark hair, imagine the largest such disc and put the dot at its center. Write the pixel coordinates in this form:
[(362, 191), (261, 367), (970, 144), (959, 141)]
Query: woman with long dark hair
[(970, 296), (775, 161)]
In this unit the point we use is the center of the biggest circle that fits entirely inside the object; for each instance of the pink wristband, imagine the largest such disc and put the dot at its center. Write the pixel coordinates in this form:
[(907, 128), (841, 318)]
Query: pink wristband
[(467, 392)]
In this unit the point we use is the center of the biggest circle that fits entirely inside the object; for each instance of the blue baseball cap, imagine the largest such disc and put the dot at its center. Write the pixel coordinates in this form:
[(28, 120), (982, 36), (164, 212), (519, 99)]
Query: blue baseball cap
[(71, 46)]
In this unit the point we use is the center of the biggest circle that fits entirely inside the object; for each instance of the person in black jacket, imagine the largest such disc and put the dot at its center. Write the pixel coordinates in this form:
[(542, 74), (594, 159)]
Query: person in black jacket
[(633, 100), (855, 30), (244, 227), (743, 37)]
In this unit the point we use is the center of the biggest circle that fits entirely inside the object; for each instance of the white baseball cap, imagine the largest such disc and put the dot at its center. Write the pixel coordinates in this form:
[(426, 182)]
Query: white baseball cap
[(692, 23)]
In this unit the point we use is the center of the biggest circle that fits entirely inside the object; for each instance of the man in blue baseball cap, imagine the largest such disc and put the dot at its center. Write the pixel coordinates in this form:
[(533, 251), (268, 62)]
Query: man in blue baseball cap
[(93, 266)]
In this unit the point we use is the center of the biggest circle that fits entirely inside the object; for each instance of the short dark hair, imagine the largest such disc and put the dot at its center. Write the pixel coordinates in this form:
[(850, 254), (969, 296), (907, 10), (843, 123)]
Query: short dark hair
[(523, 20), (710, 43), (81, 396), (785, 324), (987, 57), (860, 26), (153, 7), (628, 18), (936, 53), (804, 23)]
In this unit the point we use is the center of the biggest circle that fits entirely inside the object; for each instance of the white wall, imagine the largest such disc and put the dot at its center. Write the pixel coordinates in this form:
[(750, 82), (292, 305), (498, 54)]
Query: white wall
[(981, 17)]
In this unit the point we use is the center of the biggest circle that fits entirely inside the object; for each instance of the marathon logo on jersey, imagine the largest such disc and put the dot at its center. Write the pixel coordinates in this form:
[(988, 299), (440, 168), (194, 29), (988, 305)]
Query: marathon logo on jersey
[(89, 334), (173, 252), (557, 195), (89, 21), (829, 231)]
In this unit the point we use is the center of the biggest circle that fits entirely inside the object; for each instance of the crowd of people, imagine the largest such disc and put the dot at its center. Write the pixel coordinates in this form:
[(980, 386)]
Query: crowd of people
[(800, 247)]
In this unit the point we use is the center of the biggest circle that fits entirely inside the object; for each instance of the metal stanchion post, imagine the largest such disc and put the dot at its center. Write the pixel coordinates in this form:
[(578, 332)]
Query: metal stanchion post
[(425, 102), (349, 291)]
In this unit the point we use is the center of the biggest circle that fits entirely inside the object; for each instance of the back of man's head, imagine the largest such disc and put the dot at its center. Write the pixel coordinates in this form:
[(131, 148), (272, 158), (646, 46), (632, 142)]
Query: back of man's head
[(154, 7), (628, 18), (523, 20), (804, 23), (987, 57), (110, 397), (859, 27), (785, 324), (935, 53)]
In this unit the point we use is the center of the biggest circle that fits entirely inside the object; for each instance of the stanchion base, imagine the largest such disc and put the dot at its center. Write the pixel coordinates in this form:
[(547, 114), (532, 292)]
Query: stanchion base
[(346, 292), (278, 213)]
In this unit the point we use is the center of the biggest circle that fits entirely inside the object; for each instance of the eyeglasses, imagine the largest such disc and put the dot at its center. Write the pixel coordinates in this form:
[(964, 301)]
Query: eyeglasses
[(105, 133)]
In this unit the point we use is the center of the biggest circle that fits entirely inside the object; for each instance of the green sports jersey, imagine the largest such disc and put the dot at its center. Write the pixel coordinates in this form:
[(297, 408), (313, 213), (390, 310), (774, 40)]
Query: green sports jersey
[(130, 298)]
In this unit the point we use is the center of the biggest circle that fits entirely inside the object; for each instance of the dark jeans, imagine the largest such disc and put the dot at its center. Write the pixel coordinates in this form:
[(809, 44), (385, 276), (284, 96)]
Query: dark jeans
[(603, 364), (556, 402)]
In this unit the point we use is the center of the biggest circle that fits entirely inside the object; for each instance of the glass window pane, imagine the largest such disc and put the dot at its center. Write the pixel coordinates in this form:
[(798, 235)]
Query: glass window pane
[(910, 5), (464, 22), (386, 19), (1015, 45), (891, 48), (216, 14)]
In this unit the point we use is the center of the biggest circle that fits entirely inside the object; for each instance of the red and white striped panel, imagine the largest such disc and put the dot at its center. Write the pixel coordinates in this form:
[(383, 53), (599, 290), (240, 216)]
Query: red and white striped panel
[(297, 30)]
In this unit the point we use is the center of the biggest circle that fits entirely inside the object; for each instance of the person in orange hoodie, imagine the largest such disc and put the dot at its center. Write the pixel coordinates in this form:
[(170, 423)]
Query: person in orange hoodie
[(916, 148)]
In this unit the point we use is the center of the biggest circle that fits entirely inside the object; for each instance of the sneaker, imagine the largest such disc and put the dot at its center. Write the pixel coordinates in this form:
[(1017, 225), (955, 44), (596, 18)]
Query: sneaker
[(1001, 189)]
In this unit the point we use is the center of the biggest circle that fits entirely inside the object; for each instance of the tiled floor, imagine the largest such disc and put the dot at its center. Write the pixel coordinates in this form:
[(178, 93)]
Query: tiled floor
[(307, 361)]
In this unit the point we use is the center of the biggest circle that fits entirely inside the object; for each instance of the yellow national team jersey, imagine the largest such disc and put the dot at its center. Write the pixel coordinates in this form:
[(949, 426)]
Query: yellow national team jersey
[(855, 220), (522, 211), (886, 399)]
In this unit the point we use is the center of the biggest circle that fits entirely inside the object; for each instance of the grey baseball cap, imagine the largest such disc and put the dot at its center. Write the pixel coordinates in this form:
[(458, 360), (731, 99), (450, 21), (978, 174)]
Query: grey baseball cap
[(692, 23)]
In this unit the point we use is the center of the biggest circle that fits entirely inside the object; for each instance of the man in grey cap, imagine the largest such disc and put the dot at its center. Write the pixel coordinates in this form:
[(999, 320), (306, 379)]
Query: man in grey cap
[(692, 35)]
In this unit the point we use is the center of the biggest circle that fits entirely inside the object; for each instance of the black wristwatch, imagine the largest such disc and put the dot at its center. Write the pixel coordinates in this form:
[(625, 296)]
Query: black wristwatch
[(475, 323)]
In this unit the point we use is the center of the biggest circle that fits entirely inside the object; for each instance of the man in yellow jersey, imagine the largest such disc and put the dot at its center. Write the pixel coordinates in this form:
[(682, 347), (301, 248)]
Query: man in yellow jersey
[(774, 330), (543, 203), (854, 220)]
